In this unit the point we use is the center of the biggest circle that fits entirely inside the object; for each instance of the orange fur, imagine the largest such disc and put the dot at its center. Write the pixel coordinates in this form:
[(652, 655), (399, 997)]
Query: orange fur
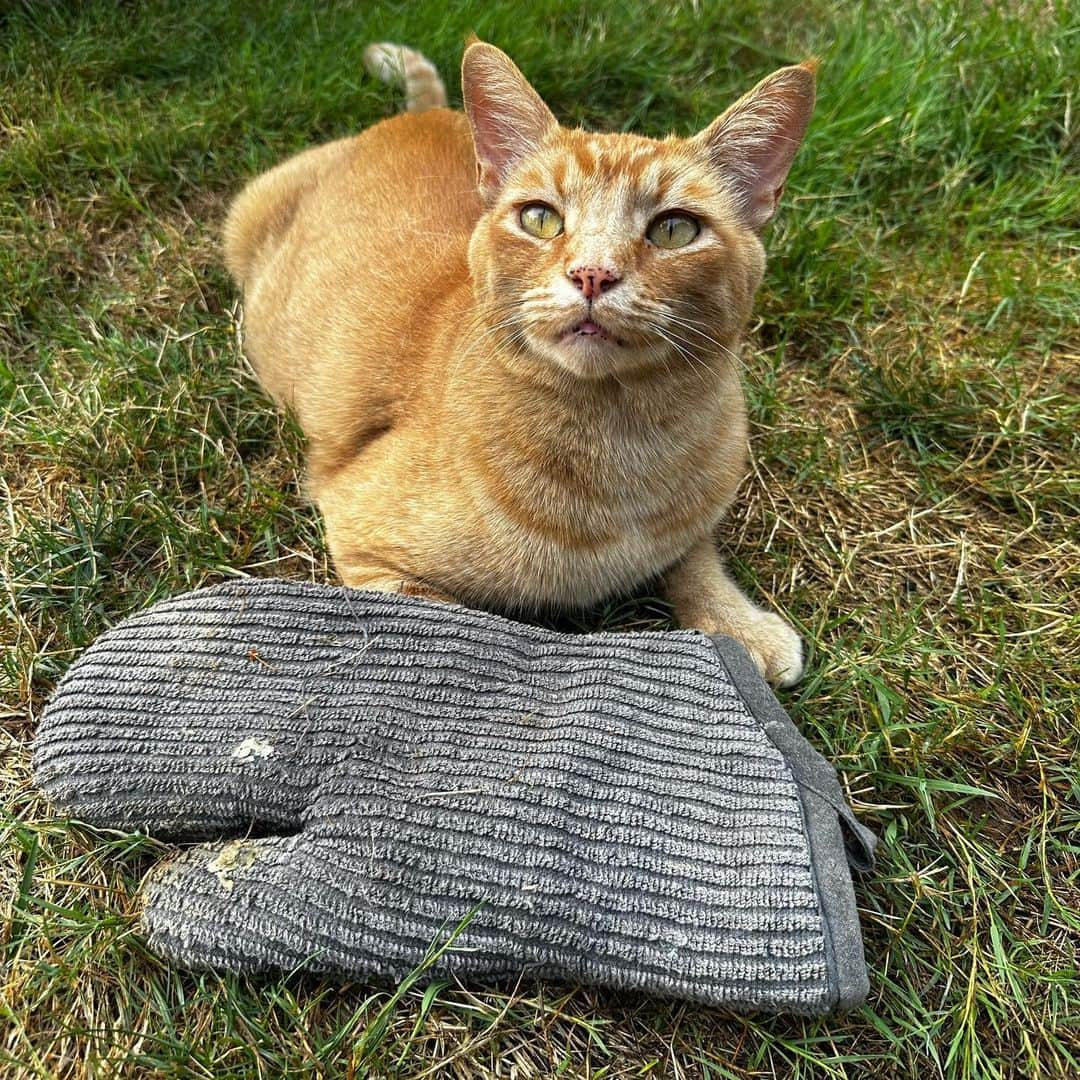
[(462, 441)]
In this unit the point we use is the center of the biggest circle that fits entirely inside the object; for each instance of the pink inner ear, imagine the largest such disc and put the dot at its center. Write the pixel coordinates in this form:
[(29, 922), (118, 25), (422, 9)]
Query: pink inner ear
[(762, 180), (499, 144)]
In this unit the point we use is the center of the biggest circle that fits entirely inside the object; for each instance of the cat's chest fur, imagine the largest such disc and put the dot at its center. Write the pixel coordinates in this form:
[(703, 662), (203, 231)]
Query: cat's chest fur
[(569, 509)]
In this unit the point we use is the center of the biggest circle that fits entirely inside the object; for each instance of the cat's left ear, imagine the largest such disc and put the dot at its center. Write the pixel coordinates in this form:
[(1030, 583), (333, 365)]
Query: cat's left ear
[(754, 143), (508, 117)]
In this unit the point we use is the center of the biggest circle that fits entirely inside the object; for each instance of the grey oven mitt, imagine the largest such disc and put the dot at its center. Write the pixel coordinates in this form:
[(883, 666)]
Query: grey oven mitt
[(370, 770)]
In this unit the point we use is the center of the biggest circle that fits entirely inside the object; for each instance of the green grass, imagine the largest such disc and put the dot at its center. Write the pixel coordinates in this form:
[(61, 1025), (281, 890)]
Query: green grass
[(913, 506)]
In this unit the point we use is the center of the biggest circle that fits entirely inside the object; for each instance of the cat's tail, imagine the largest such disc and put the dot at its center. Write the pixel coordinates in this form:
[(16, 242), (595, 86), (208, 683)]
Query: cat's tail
[(398, 65)]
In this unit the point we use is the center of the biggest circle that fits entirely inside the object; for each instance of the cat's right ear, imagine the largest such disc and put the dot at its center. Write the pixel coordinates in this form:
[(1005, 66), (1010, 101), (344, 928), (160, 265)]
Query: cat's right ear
[(508, 118)]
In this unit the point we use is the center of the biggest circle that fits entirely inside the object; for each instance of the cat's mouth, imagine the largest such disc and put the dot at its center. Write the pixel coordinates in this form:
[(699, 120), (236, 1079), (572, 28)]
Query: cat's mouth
[(591, 330)]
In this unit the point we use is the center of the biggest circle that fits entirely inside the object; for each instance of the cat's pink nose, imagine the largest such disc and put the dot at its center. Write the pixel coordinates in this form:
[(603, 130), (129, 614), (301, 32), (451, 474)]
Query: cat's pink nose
[(592, 280)]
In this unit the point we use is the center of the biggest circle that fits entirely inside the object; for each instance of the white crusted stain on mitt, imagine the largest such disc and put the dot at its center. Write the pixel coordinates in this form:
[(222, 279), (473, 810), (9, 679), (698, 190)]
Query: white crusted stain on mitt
[(235, 855), (251, 748)]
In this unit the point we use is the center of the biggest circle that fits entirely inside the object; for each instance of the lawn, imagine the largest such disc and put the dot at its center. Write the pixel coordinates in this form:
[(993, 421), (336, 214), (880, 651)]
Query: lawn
[(913, 502)]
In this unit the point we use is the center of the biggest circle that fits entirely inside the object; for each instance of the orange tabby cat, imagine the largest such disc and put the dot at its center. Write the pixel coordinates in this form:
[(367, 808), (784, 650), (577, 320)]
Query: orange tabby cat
[(511, 345)]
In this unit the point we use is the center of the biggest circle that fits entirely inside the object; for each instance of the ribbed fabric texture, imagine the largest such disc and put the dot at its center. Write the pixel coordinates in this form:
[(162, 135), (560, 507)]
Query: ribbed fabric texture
[(606, 805)]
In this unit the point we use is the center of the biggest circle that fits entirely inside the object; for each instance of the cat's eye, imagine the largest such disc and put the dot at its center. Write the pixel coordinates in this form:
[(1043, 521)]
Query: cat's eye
[(673, 230), (540, 220)]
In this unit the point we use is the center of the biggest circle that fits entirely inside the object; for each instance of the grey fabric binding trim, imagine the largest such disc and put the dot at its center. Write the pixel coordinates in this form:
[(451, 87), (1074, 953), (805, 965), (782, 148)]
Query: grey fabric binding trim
[(609, 805), (824, 808)]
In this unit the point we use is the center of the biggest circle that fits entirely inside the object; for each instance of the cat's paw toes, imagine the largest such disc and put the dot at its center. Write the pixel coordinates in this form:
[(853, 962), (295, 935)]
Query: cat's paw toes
[(775, 648)]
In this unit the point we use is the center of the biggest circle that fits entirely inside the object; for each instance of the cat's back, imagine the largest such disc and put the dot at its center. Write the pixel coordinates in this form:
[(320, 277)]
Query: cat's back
[(410, 167), (341, 247)]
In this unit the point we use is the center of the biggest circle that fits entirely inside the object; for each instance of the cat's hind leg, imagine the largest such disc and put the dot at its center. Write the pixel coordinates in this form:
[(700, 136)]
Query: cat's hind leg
[(378, 578)]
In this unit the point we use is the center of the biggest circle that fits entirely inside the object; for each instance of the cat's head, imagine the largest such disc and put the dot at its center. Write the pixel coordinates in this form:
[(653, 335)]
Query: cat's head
[(602, 253)]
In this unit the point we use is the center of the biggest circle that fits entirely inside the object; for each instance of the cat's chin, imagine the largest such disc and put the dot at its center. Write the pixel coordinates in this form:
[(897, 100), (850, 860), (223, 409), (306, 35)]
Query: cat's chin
[(588, 354), (592, 357)]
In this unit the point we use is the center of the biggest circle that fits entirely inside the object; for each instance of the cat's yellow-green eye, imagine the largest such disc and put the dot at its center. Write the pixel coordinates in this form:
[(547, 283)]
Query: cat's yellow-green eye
[(540, 220), (673, 230)]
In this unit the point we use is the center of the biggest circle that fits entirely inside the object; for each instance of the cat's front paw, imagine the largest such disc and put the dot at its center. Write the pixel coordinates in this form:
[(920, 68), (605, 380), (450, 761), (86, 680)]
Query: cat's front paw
[(774, 647)]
